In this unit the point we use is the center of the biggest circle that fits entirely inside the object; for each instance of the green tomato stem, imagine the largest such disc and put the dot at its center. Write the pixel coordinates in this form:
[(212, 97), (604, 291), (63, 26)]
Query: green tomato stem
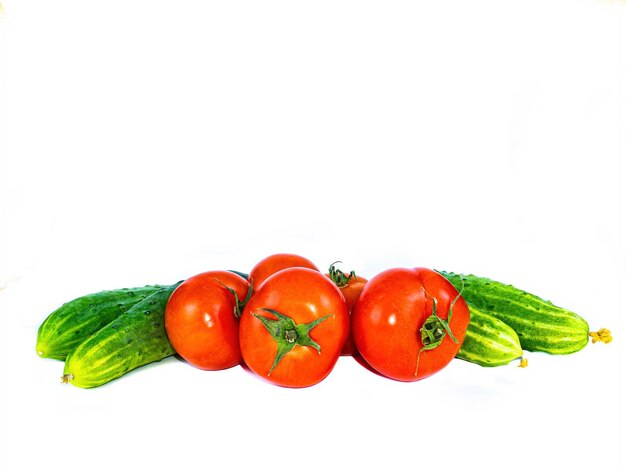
[(288, 334), (434, 329)]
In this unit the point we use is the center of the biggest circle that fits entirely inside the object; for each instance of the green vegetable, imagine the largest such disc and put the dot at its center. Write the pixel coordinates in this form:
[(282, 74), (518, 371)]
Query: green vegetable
[(74, 321), (539, 324), (489, 342), (134, 339), (239, 273)]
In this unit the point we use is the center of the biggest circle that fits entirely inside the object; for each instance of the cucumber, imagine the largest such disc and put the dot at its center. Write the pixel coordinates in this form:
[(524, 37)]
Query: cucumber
[(76, 320), (134, 339), (239, 273), (489, 342), (539, 324)]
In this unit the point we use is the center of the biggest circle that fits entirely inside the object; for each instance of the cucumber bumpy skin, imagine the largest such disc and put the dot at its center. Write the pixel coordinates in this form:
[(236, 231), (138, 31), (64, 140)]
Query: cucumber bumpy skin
[(489, 342), (539, 324), (136, 338), (76, 320)]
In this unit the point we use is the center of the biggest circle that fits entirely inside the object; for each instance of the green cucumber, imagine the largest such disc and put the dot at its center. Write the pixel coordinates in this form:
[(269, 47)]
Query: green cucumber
[(239, 273), (539, 324), (132, 340), (489, 342), (76, 320)]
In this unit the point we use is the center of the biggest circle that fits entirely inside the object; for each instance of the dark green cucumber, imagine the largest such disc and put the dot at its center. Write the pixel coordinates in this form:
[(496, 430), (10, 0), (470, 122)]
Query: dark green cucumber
[(132, 340), (76, 320), (239, 273), (539, 324), (489, 342)]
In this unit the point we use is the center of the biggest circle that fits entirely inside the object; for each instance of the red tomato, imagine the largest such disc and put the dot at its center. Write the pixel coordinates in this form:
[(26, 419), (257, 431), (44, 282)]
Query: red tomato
[(274, 263), (201, 319), (293, 328), (399, 323), (350, 286)]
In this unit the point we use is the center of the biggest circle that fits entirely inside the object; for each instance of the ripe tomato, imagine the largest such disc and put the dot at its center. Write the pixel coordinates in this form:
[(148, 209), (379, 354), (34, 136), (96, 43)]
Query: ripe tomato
[(350, 286), (409, 323), (201, 319), (293, 328), (274, 263)]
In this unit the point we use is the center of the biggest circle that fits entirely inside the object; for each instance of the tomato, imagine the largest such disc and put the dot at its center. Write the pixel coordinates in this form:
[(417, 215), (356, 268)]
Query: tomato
[(350, 286), (201, 319), (400, 323), (274, 263), (293, 328)]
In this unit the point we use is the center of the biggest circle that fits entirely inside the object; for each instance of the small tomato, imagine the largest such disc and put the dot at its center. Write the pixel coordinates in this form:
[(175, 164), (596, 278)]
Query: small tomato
[(350, 286), (274, 263)]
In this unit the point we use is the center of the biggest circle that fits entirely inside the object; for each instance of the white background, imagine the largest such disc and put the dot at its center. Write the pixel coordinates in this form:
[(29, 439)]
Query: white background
[(147, 141)]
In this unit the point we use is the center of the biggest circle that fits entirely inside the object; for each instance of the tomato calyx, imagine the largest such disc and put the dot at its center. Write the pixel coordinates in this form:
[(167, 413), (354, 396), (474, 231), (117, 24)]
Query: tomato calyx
[(339, 277), (434, 329), (288, 334), (239, 304)]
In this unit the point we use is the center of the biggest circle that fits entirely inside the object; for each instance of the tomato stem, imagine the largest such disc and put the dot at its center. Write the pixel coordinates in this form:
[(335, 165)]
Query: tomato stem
[(339, 277), (288, 334), (291, 336), (239, 304), (435, 328)]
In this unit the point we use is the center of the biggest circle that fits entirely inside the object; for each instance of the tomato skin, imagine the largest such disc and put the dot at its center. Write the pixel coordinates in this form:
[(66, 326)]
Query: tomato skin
[(389, 313), (304, 295), (200, 319), (274, 263), (351, 293)]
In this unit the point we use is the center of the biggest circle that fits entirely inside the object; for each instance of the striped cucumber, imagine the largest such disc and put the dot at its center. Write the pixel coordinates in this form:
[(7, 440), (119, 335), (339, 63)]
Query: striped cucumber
[(489, 342), (134, 339), (76, 320), (539, 324)]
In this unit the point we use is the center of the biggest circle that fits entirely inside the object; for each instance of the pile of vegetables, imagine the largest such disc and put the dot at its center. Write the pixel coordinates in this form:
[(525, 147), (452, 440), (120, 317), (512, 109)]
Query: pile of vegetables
[(289, 323)]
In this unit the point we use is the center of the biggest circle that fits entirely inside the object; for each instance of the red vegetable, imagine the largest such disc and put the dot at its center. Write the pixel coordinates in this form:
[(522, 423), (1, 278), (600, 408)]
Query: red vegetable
[(409, 323), (274, 263), (202, 319), (350, 286), (294, 327)]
